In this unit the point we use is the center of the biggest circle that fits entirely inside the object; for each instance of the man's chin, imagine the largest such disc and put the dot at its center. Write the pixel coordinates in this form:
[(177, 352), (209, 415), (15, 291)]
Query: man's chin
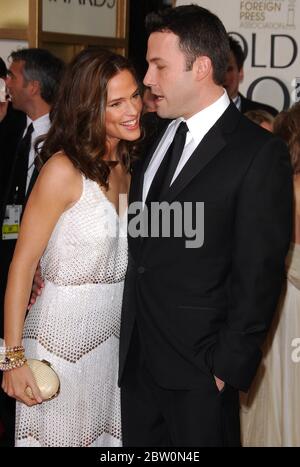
[(164, 113)]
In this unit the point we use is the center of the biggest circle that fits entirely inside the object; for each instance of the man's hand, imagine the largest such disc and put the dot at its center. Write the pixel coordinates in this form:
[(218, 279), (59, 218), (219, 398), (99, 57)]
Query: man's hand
[(220, 384), (37, 286)]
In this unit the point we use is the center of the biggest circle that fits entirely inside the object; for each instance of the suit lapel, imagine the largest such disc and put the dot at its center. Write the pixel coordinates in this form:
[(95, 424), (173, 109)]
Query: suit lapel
[(137, 182), (211, 145), (243, 103), (136, 191), (153, 146)]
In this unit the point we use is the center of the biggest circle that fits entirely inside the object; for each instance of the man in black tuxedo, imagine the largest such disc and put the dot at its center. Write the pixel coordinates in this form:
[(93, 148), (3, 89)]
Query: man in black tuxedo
[(235, 75), (197, 306)]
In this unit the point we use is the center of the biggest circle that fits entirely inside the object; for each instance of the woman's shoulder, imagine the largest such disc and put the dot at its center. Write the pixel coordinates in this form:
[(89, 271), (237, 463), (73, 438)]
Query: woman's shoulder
[(60, 169), (59, 176), (61, 164)]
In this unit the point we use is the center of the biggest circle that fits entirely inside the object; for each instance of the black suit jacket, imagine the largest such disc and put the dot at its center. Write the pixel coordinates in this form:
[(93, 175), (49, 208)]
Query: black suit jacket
[(208, 309), (11, 132), (247, 105)]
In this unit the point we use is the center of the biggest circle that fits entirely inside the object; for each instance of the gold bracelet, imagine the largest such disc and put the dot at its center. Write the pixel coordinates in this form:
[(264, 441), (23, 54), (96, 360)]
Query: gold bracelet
[(14, 354), (17, 348), (10, 365)]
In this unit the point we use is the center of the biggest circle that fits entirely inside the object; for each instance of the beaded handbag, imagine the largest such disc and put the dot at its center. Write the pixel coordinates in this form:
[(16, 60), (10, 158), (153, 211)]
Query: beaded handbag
[(46, 379)]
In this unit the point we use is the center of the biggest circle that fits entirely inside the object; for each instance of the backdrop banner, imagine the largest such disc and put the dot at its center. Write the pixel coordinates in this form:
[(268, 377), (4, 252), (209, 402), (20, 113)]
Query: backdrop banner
[(84, 17), (269, 32)]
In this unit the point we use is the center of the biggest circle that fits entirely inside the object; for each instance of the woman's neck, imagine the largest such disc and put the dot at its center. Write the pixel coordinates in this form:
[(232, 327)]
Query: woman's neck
[(112, 156)]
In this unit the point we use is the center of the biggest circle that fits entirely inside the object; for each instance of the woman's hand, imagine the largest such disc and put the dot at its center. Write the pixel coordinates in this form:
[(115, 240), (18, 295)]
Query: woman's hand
[(16, 381), (220, 384)]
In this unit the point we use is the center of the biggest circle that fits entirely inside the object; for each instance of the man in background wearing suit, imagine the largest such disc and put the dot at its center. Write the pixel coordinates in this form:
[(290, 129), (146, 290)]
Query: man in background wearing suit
[(12, 125), (195, 315), (32, 81), (235, 75)]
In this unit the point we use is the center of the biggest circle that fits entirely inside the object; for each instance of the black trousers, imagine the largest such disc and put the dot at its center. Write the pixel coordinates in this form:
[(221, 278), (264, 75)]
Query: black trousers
[(154, 416)]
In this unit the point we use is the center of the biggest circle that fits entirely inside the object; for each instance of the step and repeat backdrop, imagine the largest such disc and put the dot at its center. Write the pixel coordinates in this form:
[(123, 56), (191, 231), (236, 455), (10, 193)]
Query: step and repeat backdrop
[(269, 32)]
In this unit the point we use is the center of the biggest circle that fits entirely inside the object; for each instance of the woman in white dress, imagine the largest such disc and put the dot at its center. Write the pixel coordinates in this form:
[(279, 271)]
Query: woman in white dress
[(270, 412), (75, 226)]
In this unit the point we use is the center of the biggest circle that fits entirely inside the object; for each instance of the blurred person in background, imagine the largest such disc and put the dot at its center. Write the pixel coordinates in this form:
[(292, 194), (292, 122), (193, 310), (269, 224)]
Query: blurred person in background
[(261, 118), (235, 75), (270, 411)]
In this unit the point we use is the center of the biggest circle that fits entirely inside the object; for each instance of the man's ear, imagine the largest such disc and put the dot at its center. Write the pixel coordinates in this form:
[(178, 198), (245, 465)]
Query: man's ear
[(35, 87), (202, 67)]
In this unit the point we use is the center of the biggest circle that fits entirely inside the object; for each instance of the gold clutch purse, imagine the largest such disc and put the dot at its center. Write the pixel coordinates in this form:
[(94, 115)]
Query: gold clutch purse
[(46, 379)]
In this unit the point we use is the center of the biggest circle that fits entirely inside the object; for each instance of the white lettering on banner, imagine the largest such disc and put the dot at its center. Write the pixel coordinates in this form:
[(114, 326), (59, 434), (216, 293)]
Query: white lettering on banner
[(269, 32)]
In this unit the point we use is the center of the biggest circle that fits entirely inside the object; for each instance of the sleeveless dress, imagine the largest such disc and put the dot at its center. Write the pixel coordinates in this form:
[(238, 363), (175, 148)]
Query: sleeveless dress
[(75, 326), (270, 412)]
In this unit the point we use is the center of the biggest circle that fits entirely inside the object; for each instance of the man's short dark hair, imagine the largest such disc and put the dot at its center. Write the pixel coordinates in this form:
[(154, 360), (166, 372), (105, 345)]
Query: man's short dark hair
[(3, 69), (200, 33), (42, 66), (237, 51)]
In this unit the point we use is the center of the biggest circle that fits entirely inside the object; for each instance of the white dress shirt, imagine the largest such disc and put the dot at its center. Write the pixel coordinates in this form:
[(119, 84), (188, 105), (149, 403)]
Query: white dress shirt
[(40, 127), (198, 125)]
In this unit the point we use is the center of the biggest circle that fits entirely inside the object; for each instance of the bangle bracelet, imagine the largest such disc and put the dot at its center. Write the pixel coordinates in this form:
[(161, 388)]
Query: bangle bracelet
[(10, 365), (17, 348)]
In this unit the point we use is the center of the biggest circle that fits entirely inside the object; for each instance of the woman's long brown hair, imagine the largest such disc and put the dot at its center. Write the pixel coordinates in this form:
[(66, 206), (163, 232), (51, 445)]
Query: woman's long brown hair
[(78, 116)]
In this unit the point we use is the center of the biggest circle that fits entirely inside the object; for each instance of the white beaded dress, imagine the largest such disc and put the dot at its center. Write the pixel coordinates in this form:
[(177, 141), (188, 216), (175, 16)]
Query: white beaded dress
[(75, 326)]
